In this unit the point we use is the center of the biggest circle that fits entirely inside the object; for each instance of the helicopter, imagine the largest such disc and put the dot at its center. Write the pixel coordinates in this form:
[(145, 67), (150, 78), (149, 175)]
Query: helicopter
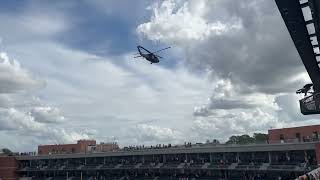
[(149, 56)]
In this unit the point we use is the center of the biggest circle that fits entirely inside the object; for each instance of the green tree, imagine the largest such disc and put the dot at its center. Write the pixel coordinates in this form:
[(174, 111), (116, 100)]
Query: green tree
[(260, 137), (216, 141), (6, 151), (243, 139), (246, 139)]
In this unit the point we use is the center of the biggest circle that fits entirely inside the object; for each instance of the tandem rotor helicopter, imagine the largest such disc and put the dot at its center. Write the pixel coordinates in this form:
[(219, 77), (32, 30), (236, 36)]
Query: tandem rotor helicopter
[(152, 57)]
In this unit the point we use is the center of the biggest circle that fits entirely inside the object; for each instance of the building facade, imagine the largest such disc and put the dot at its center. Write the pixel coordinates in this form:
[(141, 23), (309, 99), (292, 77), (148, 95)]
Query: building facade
[(267, 161), (8, 168), (294, 134), (82, 146)]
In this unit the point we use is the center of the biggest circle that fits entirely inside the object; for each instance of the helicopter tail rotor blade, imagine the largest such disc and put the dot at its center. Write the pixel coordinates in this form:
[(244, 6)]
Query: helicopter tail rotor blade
[(162, 49), (159, 56), (137, 56)]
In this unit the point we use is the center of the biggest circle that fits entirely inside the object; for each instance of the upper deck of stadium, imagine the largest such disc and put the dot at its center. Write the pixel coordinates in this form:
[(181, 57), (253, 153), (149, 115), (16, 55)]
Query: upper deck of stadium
[(218, 148)]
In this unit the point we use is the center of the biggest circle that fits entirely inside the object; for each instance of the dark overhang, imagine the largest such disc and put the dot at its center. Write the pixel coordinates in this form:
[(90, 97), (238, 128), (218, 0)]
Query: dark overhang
[(291, 12)]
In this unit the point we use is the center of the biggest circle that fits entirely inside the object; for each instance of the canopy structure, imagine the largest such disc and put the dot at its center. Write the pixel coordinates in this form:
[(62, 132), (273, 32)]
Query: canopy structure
[(302, 19)]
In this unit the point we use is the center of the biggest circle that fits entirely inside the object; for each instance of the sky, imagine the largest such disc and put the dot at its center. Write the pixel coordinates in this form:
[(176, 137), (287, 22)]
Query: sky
[(67, 71)]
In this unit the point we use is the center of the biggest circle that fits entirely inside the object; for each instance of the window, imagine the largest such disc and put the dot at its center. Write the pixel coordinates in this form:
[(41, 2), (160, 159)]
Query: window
[(315, 136), (281, 137), (298, 136)]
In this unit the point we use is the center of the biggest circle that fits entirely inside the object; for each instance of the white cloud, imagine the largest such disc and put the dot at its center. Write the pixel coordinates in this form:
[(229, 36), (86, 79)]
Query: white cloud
[(105, 95), (24, 125), (171, 22), (47, 114), (13, 78), (151, 135), (252, 64), (43, 24)]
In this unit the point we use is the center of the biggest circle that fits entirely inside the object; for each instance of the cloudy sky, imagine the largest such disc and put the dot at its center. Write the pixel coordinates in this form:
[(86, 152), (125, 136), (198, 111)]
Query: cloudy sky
[(67, 72)]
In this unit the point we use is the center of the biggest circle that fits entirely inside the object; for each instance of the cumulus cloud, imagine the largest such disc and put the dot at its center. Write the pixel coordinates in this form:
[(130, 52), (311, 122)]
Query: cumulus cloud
[(13, 78), (171, 22), (222, 123), (47, 114), (226, 96), (246, 55), (24, 124), (152, 134), (22, 114), (5, 101)]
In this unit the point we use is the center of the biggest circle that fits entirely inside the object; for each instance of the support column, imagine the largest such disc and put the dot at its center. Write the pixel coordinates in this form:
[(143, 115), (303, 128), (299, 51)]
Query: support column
[(252, 156), (287, 156), (269, 156), (104, 160), (238, 157), (210, 155), (164, 158), (318, 153)]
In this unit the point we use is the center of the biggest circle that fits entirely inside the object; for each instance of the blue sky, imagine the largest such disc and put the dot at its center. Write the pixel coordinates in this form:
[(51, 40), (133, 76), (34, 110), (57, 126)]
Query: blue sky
[(67, 71)]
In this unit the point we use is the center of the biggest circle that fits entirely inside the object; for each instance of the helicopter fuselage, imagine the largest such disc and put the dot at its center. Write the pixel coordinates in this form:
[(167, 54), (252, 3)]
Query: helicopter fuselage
[(148, 56)]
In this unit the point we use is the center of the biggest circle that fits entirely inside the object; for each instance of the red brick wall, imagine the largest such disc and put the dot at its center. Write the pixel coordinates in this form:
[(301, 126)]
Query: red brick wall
[(8, 167), (58, 149), (107, 147), (80, 147), (83, 144), (290, 133)]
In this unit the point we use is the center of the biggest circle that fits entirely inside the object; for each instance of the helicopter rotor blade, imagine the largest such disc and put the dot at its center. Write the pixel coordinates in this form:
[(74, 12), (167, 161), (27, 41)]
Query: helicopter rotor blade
[(162, 49)]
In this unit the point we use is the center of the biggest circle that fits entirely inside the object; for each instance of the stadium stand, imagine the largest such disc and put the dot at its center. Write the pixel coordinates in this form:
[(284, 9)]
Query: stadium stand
[(206, 162)]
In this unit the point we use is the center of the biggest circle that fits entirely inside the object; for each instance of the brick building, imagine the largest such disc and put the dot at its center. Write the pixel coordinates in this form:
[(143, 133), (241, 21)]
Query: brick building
[(8, 168), (106, 147), (294, 134), (82, 146)]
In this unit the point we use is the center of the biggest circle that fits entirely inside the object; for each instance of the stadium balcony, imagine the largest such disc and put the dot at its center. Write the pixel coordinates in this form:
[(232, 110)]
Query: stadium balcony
[(246, 165), (148, 165), (283, 166), (216, 165), (108, 166), (71, 167), (142, 178), (55, 167), (90, 167), (127, 166), (197, 165), (171, 164)]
